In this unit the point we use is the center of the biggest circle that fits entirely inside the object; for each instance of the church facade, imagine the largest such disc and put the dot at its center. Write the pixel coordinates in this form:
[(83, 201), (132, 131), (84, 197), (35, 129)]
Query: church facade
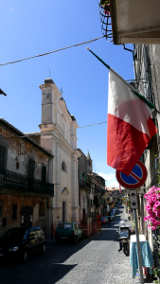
[(58, 135)]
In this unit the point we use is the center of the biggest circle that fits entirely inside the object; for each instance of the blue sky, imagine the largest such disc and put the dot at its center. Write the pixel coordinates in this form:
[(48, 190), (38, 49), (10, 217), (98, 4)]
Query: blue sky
[(32, 27)]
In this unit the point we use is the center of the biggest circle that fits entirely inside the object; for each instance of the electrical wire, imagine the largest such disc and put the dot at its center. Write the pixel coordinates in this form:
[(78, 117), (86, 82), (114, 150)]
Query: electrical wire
[(94, 124), (50, 52), (29, 137), (55, 51)]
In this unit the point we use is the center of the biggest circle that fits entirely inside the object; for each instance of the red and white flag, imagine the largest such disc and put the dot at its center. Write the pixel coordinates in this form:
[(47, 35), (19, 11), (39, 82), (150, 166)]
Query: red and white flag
[(129, 127)]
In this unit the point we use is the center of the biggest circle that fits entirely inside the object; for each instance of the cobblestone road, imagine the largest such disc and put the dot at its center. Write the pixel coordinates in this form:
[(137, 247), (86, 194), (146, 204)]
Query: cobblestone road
[(99, 262), (92, 261)]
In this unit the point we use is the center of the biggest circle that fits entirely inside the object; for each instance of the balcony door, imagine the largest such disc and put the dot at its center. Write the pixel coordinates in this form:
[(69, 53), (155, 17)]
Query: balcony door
[(26, 216), (3, 158), (31, 169)]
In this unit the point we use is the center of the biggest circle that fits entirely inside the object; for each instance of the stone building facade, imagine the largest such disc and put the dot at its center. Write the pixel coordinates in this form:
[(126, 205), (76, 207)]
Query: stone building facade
[(25, 191), (58, 135), (86, 196), (147, 81), (92, 204)]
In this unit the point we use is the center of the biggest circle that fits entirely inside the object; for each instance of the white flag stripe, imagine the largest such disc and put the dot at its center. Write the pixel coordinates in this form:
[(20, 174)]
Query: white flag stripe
[(124, 104)]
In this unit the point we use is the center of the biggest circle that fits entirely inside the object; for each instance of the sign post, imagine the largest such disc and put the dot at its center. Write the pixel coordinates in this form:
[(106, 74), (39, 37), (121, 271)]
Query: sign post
[(134, 180), (138, 248)]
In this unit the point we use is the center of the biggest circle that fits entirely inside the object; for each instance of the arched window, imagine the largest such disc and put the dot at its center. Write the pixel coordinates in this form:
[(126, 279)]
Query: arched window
[(64, 168)]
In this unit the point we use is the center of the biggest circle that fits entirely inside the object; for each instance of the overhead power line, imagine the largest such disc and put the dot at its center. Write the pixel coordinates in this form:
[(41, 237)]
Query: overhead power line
[(28, 136), (50, 52), (93, 124)]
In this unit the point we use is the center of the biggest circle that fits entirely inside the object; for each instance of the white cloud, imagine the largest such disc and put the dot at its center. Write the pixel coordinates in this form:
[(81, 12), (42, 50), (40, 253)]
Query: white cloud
[(110, 179)]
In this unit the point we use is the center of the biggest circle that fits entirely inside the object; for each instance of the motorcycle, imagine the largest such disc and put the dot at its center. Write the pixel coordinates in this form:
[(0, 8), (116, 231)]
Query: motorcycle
[(124, 234)]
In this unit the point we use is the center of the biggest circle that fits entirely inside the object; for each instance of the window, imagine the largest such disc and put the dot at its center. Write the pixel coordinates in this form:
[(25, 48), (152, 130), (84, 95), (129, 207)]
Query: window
[(1, 208), (64, 168), (43, 174), (41, 209), (2, 158), (31, 168), (4, 222), (17, 164), (14, 211)]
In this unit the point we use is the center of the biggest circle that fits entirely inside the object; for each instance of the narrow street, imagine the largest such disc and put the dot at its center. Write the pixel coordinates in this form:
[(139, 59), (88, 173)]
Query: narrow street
[(94, 261)]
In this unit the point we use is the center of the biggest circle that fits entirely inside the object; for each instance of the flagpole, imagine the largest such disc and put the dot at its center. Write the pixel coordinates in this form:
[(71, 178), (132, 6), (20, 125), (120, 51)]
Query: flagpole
[(126, 83), (106, 65), (101, 60)]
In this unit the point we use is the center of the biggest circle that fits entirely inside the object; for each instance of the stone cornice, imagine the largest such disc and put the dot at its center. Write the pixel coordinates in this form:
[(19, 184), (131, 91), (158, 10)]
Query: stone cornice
[(53, 131), (45, 127)]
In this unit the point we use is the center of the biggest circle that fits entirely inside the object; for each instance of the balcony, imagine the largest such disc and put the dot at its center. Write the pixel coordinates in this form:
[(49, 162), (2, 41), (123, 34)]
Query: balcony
[(133, 21), (18, 182), (84, 181)]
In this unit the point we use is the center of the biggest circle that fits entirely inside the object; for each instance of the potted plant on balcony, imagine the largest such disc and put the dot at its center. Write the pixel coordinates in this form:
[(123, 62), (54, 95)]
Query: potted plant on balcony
[(106, 5)]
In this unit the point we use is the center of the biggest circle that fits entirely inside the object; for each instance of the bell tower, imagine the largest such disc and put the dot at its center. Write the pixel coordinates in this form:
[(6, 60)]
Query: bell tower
[(50, 97), (58, 135), (47, 101)]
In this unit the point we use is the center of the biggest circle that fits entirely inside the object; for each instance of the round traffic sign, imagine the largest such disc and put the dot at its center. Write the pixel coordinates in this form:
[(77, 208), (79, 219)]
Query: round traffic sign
[(135, 179)]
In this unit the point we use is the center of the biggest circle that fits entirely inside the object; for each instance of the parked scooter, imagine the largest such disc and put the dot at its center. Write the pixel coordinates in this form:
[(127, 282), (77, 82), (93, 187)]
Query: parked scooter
[(124, 235)]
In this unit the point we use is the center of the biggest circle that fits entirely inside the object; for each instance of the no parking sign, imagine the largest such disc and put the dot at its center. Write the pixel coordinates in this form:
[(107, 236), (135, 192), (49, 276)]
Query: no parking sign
[(135, 179)]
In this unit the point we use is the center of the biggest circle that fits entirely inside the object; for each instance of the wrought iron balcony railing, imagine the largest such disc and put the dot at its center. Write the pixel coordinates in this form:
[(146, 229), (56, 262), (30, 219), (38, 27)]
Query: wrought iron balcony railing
[(105, 17), (12, 180), (84, 181)]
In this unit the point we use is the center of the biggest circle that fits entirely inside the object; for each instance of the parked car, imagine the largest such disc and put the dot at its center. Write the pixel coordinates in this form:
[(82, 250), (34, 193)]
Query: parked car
[(19, 243), (68, 231)]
